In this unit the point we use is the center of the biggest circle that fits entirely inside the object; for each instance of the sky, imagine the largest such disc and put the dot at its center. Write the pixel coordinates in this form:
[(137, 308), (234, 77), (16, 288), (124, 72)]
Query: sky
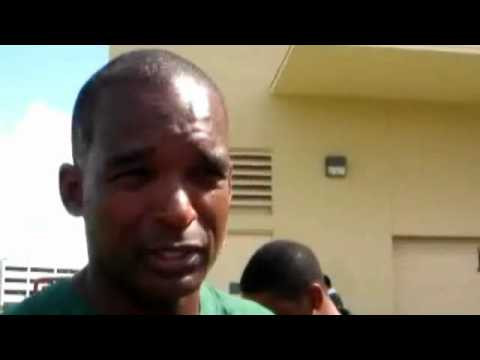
[(39, 87)]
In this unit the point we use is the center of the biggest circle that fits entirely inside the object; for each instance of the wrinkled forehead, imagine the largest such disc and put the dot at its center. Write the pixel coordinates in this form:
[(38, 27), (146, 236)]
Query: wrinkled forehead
[(181, 106)]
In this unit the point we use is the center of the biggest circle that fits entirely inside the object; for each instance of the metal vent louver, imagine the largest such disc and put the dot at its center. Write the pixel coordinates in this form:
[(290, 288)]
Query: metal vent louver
[(252, 179)]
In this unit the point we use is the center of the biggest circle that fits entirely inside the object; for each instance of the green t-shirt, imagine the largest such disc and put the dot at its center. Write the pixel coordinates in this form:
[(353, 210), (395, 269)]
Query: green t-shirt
[(61, 299)]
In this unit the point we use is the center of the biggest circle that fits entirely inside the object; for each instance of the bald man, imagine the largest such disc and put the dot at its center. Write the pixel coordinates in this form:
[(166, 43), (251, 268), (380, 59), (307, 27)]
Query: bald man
[(286, 277), (151, 177)]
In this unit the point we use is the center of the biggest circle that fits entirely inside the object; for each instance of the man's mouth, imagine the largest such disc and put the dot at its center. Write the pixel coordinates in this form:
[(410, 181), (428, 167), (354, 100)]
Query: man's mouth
[(175, 260)]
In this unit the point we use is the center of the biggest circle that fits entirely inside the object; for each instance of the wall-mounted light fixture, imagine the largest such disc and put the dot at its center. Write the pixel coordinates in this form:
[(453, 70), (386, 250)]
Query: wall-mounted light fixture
[(336, 166)]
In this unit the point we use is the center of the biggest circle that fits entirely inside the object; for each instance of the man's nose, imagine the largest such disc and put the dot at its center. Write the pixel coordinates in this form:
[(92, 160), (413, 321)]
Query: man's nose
[(176, 210)]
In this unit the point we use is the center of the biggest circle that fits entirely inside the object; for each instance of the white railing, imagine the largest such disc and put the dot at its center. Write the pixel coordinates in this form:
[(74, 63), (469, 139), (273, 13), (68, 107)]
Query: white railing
[(17, 281)]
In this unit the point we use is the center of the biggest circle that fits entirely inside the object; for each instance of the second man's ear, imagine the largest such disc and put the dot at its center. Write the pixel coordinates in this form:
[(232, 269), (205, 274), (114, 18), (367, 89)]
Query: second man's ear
[(316, 297), (321, 302), (71, 190)]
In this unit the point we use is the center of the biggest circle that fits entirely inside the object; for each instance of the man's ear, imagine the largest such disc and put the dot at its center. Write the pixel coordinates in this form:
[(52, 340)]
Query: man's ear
[(317, 298), (71, 190), (321, 302)]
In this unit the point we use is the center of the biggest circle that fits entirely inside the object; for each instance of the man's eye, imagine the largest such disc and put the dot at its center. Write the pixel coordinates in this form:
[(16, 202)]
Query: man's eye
[(215, 172), (131, 174), (208, 174)]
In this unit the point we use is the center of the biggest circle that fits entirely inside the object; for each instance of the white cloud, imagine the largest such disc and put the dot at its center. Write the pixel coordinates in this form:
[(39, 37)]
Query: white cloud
[(35, 227)]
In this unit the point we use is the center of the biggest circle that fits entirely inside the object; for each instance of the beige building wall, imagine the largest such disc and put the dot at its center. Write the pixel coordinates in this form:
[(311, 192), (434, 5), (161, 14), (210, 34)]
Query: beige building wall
[(413, 169), (442, 272)]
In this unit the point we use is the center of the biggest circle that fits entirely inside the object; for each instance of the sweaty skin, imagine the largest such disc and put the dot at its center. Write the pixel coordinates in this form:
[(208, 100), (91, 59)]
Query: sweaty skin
[(154, 190)]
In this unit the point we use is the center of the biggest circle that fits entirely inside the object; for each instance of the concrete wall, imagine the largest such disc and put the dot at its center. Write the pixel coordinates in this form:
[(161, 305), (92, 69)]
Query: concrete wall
[(413, 169)]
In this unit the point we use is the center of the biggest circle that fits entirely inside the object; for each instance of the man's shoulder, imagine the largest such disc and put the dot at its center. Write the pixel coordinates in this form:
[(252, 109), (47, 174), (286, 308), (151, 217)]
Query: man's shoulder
[(56, 299), (217, 302)]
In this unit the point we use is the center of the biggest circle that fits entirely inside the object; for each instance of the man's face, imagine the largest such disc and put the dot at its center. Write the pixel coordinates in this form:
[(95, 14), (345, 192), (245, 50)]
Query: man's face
[(157, 187)]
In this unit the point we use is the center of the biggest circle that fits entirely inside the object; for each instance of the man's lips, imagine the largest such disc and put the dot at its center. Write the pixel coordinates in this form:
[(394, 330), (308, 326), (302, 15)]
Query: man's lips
[(175, 260)]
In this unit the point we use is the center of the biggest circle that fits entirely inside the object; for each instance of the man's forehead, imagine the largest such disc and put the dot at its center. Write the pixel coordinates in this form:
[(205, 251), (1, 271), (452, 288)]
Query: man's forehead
[(181, 107), (131, 119), (193, 94), (129, 133)]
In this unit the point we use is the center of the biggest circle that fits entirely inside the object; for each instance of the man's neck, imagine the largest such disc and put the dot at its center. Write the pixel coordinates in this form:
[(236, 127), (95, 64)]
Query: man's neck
[(106, 298)]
